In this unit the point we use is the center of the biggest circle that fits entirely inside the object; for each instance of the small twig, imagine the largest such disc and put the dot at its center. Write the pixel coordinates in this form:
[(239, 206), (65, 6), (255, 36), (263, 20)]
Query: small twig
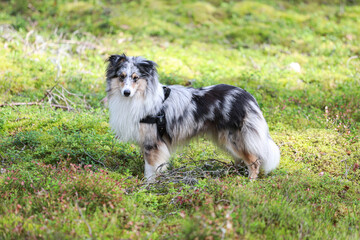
[(76, 95), (62, 97), (94, 159), (158, 223), (256, 66), (82, 216), (97, 161), (222, 200), (35, 103), (190, 173), (70, 93), (52, 100), (2, 159), (28, 36), (62, 107), (19, 104), (48, 92), (223, 230), (19, 119), (351, 58), (346, 168)]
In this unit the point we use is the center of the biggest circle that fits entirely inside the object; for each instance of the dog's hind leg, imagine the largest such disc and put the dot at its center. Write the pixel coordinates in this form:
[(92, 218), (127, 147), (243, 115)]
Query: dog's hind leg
[(234, 144), (252, 162), (156, 157)]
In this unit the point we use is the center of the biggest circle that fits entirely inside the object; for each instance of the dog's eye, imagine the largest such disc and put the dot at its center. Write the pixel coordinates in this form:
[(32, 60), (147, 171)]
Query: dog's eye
[(135, 78), (122, 76)]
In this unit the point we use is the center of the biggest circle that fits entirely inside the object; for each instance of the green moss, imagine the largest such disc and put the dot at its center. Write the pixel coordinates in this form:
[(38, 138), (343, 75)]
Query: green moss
[(255, 8), (201, 12), (78, 7)]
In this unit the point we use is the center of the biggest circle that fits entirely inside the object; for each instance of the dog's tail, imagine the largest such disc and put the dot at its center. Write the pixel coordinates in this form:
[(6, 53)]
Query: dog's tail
[(272, 158), (257, 141)]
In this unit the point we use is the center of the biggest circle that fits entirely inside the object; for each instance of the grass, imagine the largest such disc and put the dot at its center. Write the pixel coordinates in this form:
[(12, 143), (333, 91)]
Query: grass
[(63, 175)]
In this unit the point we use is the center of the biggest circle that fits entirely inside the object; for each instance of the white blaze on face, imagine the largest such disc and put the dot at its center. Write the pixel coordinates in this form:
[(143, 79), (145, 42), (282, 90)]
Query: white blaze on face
[(128, 88)]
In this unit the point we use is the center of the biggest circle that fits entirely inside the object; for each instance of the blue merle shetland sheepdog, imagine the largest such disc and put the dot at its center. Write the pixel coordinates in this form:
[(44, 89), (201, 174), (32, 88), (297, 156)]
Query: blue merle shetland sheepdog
[(159, 118)]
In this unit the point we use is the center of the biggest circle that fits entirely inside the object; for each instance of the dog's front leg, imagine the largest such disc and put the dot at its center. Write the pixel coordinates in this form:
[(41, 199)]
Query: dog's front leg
[(156, 157)]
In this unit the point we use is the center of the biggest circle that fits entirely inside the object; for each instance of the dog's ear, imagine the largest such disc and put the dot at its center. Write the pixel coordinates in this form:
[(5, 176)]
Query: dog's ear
[(115, 60), (147, 67)]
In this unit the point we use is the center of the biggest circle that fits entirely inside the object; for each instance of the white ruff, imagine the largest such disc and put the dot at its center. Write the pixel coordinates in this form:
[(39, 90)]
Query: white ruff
[(126, 113)]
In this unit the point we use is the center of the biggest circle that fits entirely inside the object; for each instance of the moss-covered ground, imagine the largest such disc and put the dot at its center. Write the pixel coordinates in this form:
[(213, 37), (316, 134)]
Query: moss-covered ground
[(64, 176)]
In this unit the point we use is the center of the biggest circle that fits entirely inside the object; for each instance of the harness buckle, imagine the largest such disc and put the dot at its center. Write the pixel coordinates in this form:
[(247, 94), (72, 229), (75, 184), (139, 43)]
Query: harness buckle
[(161, 119)]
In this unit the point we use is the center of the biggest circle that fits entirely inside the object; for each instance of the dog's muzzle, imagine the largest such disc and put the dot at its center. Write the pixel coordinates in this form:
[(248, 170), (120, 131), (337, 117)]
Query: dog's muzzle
[(126, 92)]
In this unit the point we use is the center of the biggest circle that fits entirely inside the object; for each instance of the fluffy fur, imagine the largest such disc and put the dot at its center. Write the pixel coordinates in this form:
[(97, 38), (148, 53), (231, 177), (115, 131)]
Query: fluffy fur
[(227, 114)]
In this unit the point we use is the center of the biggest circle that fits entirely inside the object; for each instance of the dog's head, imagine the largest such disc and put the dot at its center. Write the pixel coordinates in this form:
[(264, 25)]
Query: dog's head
[(130, 75)]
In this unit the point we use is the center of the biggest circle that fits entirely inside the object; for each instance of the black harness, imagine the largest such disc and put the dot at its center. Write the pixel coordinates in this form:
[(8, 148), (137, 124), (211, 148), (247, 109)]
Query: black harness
[(160, 118)]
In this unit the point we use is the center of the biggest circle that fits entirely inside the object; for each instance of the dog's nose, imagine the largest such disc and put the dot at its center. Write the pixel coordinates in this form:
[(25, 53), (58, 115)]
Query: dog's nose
[(126, 93)]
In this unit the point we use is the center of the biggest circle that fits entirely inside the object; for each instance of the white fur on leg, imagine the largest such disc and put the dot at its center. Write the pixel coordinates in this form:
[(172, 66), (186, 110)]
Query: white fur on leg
[(159, 164), (149, 172)]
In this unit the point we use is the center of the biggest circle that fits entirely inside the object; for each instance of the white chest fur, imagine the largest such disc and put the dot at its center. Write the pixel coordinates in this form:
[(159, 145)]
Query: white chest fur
[(126, 113), (125, 118)]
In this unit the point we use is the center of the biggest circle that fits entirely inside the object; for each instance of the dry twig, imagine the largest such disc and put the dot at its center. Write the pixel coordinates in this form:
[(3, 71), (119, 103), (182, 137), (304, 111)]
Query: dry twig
[(54, 100), (190, 173), (82, 216)]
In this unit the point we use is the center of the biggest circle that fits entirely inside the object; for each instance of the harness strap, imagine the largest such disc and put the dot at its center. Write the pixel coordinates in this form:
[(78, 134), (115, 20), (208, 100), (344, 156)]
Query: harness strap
[(160, 118)]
